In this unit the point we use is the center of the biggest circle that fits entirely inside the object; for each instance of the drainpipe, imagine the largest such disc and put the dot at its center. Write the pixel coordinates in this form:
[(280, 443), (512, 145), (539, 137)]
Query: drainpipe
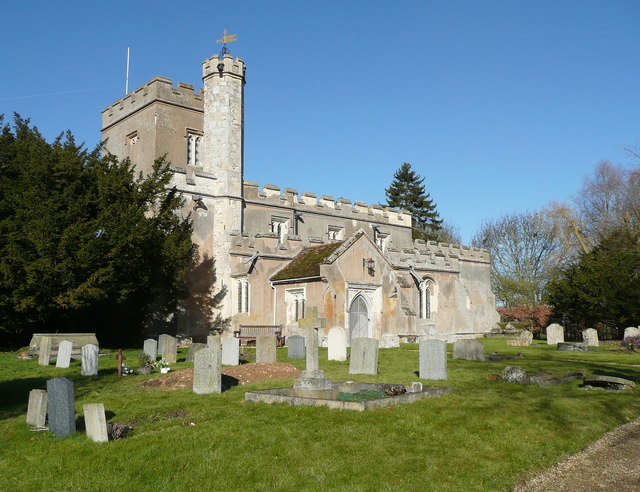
[(275, 296)]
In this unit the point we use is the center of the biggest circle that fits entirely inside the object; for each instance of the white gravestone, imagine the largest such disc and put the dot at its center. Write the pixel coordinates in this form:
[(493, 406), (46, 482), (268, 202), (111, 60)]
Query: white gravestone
[(150, 348), (590, 337), (207, 375), (555, 334), (37, 408), (95, 422), (89, 360), (64, 354), (230, 351), (390, 341), (631, 331), (468, 349), (337, 344), (44, 357), (364, 356), (433, 359)]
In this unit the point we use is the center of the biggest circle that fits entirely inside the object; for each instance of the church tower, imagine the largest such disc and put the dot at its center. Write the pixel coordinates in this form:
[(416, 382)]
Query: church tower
[(222, 157)]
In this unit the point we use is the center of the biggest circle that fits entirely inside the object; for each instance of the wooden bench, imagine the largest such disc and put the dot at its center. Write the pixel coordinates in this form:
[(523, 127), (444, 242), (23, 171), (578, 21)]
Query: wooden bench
[(250, 332)]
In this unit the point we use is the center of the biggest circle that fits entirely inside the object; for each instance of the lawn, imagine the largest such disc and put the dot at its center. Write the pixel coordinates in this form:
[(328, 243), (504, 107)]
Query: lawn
[(486, 435)]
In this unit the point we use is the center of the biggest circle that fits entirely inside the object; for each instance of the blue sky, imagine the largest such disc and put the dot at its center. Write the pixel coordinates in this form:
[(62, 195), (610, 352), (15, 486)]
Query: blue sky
[(500, 105)]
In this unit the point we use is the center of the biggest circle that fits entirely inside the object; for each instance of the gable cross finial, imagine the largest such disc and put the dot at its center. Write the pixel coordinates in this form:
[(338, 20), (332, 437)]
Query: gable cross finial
[(226, 38)]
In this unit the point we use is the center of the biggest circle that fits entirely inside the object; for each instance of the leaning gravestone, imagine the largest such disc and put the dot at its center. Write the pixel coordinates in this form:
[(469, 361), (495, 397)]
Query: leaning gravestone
[(89, 360), (337, 344), (95, 422), (590, 337), (467, 349), (161, 344), (45, 351), (631, 331), (364, 356), (213, 341), (193, 348), (64, 354), (433, 359), (555, 334), (61, 407), (266, 349), (37, 408), (207, 375), (230, 351), (526, 338), (295, 347), (170, 353), (150, 348)]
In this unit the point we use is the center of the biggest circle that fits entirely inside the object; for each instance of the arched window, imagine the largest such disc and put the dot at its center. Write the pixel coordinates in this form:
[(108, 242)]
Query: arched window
[(426, 292)]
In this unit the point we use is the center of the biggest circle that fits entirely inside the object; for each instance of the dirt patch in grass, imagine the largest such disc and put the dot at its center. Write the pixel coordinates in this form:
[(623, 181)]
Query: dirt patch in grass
[(611, 463), (246, 373)]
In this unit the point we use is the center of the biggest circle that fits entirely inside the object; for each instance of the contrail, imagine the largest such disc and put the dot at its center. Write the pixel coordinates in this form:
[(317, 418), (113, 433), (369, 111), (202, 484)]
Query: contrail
[(75, 91)]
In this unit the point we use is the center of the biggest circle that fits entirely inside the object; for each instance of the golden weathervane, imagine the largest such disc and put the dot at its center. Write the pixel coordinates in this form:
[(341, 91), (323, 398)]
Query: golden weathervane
[(226, 38)]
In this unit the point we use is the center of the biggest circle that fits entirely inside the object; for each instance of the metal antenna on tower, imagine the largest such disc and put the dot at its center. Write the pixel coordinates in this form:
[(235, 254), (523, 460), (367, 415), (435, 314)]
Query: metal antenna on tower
[(126, 84)]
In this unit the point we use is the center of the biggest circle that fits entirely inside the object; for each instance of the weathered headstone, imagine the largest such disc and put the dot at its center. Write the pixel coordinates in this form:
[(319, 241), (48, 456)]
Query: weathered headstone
[(150, 348), (390, 341), (230, 351), (213, 341), (526, 338), (555, 334), (95, 422), (161, 340), (433, 359), (37, 408), (364, 356), (312, 378), (590, 337), (266, 349), (207, 375), (44, 356), (89, 360), (337, 344), (631, 331), (572, 347), (295, 347), (193, 348), (312, 323), (170, 353), (468, 349), (64, 354), (61, 407)]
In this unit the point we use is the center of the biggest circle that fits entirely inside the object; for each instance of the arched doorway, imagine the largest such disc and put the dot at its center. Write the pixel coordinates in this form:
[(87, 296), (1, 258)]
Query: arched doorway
[(358, 318)]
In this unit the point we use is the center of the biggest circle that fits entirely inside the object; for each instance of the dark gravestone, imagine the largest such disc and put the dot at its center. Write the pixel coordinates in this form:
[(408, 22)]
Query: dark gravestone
[(573, 347), (61, 407), (295, 346)]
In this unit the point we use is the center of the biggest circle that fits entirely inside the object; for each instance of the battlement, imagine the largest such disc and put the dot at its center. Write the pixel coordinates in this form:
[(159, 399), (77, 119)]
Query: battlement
[(157, 89), (227, 64), (327, 205), (447, 250)]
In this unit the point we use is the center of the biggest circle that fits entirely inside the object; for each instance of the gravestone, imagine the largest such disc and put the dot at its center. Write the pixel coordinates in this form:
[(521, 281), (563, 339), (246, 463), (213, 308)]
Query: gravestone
[(89, 360), (364, 356), (337, 344), (77, 339), (467, 349), (161, 343), (64, 354), (631, 331), (213, 341), (61, 407), (311, 320), (590, 337), (193, 348), (44, 356), (230, 351), (526, 338), (555, 334), (295, 347), (207, 375), (390, 341), (37, 408), (433, 359), (572, 347), (150, 348), (312, 378), (266, 349), (170, 353), (95, 422)]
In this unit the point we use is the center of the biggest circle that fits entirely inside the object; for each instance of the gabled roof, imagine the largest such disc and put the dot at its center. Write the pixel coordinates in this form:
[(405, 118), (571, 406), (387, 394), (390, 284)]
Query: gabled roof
[(307, 263)]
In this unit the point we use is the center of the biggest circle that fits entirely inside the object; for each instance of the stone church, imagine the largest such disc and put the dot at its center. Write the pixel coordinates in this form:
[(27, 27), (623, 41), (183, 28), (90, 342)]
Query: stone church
[(278, 251)]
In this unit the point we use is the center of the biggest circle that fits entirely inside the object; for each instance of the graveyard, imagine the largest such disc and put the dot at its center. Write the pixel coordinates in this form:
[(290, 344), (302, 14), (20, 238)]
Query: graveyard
[(486, 434)]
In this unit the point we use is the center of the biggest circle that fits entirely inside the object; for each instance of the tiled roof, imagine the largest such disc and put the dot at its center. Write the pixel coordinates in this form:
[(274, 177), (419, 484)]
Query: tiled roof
[(307, 263)]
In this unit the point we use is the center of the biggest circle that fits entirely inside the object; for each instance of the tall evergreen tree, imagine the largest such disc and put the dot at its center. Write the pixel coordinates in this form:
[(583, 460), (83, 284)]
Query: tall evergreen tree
[(86, 243), (407, 192)]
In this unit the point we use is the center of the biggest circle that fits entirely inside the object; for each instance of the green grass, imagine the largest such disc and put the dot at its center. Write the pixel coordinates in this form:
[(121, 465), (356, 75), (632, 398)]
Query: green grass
[(485, 436)]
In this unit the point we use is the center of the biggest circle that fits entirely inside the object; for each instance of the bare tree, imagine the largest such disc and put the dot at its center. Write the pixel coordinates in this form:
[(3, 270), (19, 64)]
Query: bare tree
[(526, 252)]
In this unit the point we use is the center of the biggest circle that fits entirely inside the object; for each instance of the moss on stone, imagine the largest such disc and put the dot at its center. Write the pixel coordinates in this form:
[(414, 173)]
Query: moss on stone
[(307, 263)]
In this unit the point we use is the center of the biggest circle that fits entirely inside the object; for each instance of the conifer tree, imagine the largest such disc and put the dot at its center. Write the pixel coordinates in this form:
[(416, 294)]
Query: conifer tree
[(407, 192)]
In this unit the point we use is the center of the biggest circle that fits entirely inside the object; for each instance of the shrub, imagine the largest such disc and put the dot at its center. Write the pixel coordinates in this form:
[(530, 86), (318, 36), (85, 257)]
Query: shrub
[(632, 343)]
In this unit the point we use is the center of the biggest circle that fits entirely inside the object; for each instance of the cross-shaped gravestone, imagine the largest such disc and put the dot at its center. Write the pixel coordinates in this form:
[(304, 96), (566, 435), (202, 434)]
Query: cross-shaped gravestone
[(120, 358), (312, 323)]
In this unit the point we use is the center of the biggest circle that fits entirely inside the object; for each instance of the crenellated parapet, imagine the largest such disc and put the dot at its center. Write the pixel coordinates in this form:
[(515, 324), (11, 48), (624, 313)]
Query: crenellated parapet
[(159, 89), (225, 65), (272, 195)]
